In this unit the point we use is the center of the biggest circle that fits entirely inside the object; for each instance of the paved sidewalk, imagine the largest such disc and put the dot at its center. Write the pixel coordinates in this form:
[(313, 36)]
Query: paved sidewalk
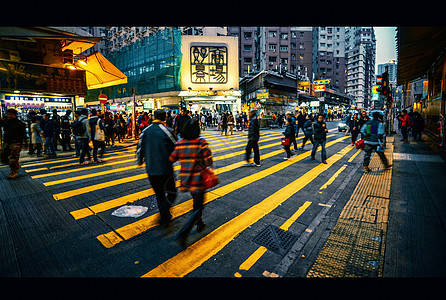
[(416, 243), (394, 224)]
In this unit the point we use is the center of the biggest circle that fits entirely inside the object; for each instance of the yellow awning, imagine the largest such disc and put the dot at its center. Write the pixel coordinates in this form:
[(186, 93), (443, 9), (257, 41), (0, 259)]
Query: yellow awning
[(100, 72)]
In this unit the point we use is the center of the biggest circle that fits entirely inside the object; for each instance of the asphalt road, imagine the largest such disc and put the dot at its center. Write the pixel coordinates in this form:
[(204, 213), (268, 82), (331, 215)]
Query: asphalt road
[(56, 219)]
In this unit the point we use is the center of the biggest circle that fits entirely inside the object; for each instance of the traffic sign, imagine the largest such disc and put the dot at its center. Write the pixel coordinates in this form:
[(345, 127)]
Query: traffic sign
[(103, 98), (322, 81)]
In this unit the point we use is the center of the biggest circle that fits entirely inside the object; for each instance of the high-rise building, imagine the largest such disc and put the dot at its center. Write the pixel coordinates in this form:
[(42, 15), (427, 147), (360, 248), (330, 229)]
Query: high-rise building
[(360, 54), (329, 56), (274, 48), (392, 66)]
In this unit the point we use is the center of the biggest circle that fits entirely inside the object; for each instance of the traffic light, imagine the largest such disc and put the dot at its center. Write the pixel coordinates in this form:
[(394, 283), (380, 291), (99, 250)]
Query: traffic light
[(383, 84)]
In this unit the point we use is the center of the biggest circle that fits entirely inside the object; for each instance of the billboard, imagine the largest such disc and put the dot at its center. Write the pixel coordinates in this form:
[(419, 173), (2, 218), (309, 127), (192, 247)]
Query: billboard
[(209, 62), (22, 76)]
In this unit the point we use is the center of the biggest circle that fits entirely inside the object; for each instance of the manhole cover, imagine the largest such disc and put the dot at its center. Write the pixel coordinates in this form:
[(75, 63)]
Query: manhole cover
[(275, 239)]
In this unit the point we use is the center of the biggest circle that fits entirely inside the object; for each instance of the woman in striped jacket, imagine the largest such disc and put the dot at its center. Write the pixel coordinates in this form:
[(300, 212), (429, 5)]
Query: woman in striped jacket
[(194, 155)]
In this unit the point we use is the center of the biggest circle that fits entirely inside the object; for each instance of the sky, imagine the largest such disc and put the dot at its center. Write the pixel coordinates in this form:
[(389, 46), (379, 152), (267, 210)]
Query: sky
[(385, 45)]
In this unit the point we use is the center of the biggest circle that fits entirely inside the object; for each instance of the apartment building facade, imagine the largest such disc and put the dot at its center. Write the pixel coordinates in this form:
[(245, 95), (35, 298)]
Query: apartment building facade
[(281, 49), (360, 55), (329, 56)]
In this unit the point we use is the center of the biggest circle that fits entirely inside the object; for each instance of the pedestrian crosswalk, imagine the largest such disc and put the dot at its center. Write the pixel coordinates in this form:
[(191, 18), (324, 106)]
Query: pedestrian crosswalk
[(70, 182)]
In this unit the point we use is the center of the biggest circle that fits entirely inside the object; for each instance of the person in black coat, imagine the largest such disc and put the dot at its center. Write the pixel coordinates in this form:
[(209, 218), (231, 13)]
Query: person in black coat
[(253, 139), (12, 143), (320, 136), (308, 131), (354, 127)]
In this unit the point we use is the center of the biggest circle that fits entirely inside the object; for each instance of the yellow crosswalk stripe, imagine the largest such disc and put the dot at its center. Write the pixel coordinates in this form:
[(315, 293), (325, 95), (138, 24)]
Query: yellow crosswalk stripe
[(332, 178), (72, 159), (94, 209), (354, 155), (82, 169), (196, 254), (83, 190), (110, 239)]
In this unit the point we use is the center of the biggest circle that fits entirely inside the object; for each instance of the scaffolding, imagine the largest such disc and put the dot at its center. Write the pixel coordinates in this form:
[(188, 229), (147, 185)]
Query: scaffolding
[(152, 65)]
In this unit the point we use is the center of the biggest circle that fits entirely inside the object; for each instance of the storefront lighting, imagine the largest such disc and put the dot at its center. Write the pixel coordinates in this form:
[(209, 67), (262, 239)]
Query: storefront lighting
[(17, 92), (82, 62), (71, 67)]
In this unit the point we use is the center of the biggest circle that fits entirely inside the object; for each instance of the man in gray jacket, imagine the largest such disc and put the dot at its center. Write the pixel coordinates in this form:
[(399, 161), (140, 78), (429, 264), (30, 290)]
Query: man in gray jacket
[(155, 145)]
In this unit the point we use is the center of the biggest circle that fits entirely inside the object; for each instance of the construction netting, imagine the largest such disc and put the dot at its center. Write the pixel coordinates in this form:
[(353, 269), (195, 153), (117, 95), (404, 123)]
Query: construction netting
[(152, 65)]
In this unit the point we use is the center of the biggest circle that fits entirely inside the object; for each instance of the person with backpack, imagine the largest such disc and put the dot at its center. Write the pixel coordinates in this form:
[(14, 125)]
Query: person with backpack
[(308, 131), (155, 145), (97, 135), (373, 132), (65, 130), (83, 129), (320, 137)]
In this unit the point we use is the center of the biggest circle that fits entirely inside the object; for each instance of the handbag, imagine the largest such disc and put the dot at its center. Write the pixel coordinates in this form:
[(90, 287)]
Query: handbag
[(210, 179), (360, 144), (285, 141)]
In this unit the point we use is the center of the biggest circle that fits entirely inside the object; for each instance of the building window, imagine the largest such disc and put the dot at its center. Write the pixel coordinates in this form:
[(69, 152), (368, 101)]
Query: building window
[(284, 36), (272, 47), (322, 36), (301, 56), (272, 33), (302, 34), (272, 59), (322, 44), (329, 37), (248, 59), (293, 45), (293, 56), (302, 46), (284, 48), (248, 35), (329, 30), (247, 47), (284, 61), (293, 34)]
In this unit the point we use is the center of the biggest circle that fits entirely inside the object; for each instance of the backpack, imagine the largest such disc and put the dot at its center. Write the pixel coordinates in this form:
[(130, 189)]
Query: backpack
[(78, 128)]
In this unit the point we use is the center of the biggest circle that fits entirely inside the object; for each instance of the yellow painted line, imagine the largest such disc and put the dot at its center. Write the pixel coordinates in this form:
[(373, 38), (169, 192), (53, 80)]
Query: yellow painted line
[(285, 226), (94, 209), (77, 163), (35, 170), (332, 178), (196, 254), (135, 228), (242, 139), (91, 175), (237, 274), (71, 159), (253, 258), (354, 155), (82, 169)]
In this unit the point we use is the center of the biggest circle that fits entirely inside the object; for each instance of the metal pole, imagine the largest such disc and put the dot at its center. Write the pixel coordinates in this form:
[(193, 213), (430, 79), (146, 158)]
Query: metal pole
[(134, 116)]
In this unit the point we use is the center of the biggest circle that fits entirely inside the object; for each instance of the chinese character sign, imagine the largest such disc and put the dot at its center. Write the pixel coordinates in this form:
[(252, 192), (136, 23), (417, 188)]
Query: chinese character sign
[(209, 64)]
